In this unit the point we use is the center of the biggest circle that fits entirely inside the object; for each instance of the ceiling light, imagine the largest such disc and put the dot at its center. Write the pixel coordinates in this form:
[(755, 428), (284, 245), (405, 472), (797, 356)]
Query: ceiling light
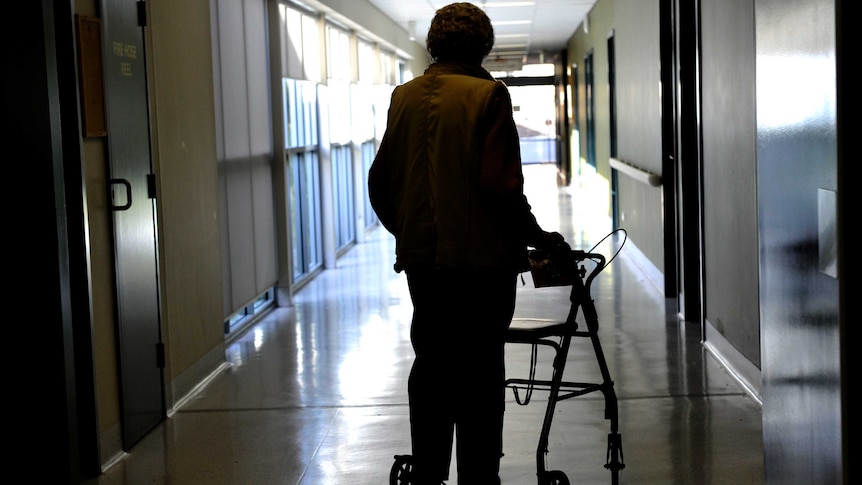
[(509, 46), (508, 4), (512, 22)]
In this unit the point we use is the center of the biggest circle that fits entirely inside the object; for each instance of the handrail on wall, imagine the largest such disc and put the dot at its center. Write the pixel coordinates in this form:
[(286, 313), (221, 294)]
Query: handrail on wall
[(636, 173)]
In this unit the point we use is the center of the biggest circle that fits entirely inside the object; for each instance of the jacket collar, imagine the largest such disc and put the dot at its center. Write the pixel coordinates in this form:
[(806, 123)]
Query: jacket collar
[(456, 67)]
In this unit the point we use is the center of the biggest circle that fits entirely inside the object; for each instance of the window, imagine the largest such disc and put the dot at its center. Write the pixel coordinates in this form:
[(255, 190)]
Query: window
[(535, 116), (387, 71), (367, 62), (363, 123), (368, 152), (303, 171), (341, 161), (612, 98), (359, 79), (302, 52), (404, 72), (338, 58), (590, 106), (246, 314), (343, 194), (305, 229), (382, 95)]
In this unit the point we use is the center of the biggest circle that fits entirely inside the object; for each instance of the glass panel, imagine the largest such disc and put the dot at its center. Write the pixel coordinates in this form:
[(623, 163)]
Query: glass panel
[(289, 90), (302, 116), (292, 50), (342, 183), (338, 54), (367, 63), (304, 183), (382, 97), (535, 116), (368, 152), (294, 186), (300, 110), (404, 72), (362, 112), (311, 51), (309, 113), (305, 227), (312, 212), (339, 117), (590, 109), (387, 73)]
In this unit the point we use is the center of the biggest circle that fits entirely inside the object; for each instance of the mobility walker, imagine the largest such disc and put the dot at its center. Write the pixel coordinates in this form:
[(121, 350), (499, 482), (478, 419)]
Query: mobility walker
[(577, 269)]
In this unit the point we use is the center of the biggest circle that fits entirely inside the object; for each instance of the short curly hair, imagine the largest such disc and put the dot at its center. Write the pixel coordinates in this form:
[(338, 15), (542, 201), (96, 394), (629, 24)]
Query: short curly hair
[(460, 32)]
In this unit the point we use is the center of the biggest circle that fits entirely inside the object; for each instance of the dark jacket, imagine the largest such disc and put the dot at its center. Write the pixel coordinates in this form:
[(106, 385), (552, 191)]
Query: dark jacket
[(447, 179)]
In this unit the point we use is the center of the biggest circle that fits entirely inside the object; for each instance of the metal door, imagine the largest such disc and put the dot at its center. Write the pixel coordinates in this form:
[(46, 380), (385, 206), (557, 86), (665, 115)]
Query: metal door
[(134, 219)]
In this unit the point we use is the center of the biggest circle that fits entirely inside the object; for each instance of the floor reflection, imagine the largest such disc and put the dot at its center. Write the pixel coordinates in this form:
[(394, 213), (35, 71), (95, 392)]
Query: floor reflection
[(316, 393)]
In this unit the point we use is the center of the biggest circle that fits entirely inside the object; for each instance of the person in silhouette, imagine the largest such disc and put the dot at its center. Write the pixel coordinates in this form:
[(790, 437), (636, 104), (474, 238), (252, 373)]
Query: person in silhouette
[(447, 183)]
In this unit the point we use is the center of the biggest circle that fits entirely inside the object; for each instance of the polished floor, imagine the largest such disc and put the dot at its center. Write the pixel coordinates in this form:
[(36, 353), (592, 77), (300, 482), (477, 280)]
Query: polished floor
[(315, 394)]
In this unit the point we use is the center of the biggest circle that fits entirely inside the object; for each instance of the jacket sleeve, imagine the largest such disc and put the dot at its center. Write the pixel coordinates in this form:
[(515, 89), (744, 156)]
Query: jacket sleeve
[(501, 179)]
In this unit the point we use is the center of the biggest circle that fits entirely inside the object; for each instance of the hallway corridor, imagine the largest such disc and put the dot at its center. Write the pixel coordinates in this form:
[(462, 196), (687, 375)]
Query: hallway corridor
[(316, 394)]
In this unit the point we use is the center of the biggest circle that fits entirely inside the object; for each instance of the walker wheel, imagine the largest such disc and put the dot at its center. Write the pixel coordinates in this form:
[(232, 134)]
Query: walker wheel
[(401, 471), (555, 477)]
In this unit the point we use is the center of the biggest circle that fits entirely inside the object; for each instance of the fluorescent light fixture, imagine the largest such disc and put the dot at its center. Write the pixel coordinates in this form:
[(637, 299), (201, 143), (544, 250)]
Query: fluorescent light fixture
[(517, 45), (507, 4), (512, 22)]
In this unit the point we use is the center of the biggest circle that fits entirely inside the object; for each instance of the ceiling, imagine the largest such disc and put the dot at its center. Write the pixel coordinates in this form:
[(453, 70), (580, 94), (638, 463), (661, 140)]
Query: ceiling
[(526, 31)]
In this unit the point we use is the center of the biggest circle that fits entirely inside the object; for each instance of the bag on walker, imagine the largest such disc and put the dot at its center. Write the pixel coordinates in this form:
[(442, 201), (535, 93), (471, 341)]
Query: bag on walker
[(552, 268)]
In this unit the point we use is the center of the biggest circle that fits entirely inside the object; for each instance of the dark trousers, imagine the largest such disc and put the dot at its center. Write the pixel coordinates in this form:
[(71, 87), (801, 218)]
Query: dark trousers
[(457, 382)]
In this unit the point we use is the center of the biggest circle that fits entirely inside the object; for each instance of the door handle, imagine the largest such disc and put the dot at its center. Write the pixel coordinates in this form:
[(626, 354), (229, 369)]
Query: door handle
[(125, 183)]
